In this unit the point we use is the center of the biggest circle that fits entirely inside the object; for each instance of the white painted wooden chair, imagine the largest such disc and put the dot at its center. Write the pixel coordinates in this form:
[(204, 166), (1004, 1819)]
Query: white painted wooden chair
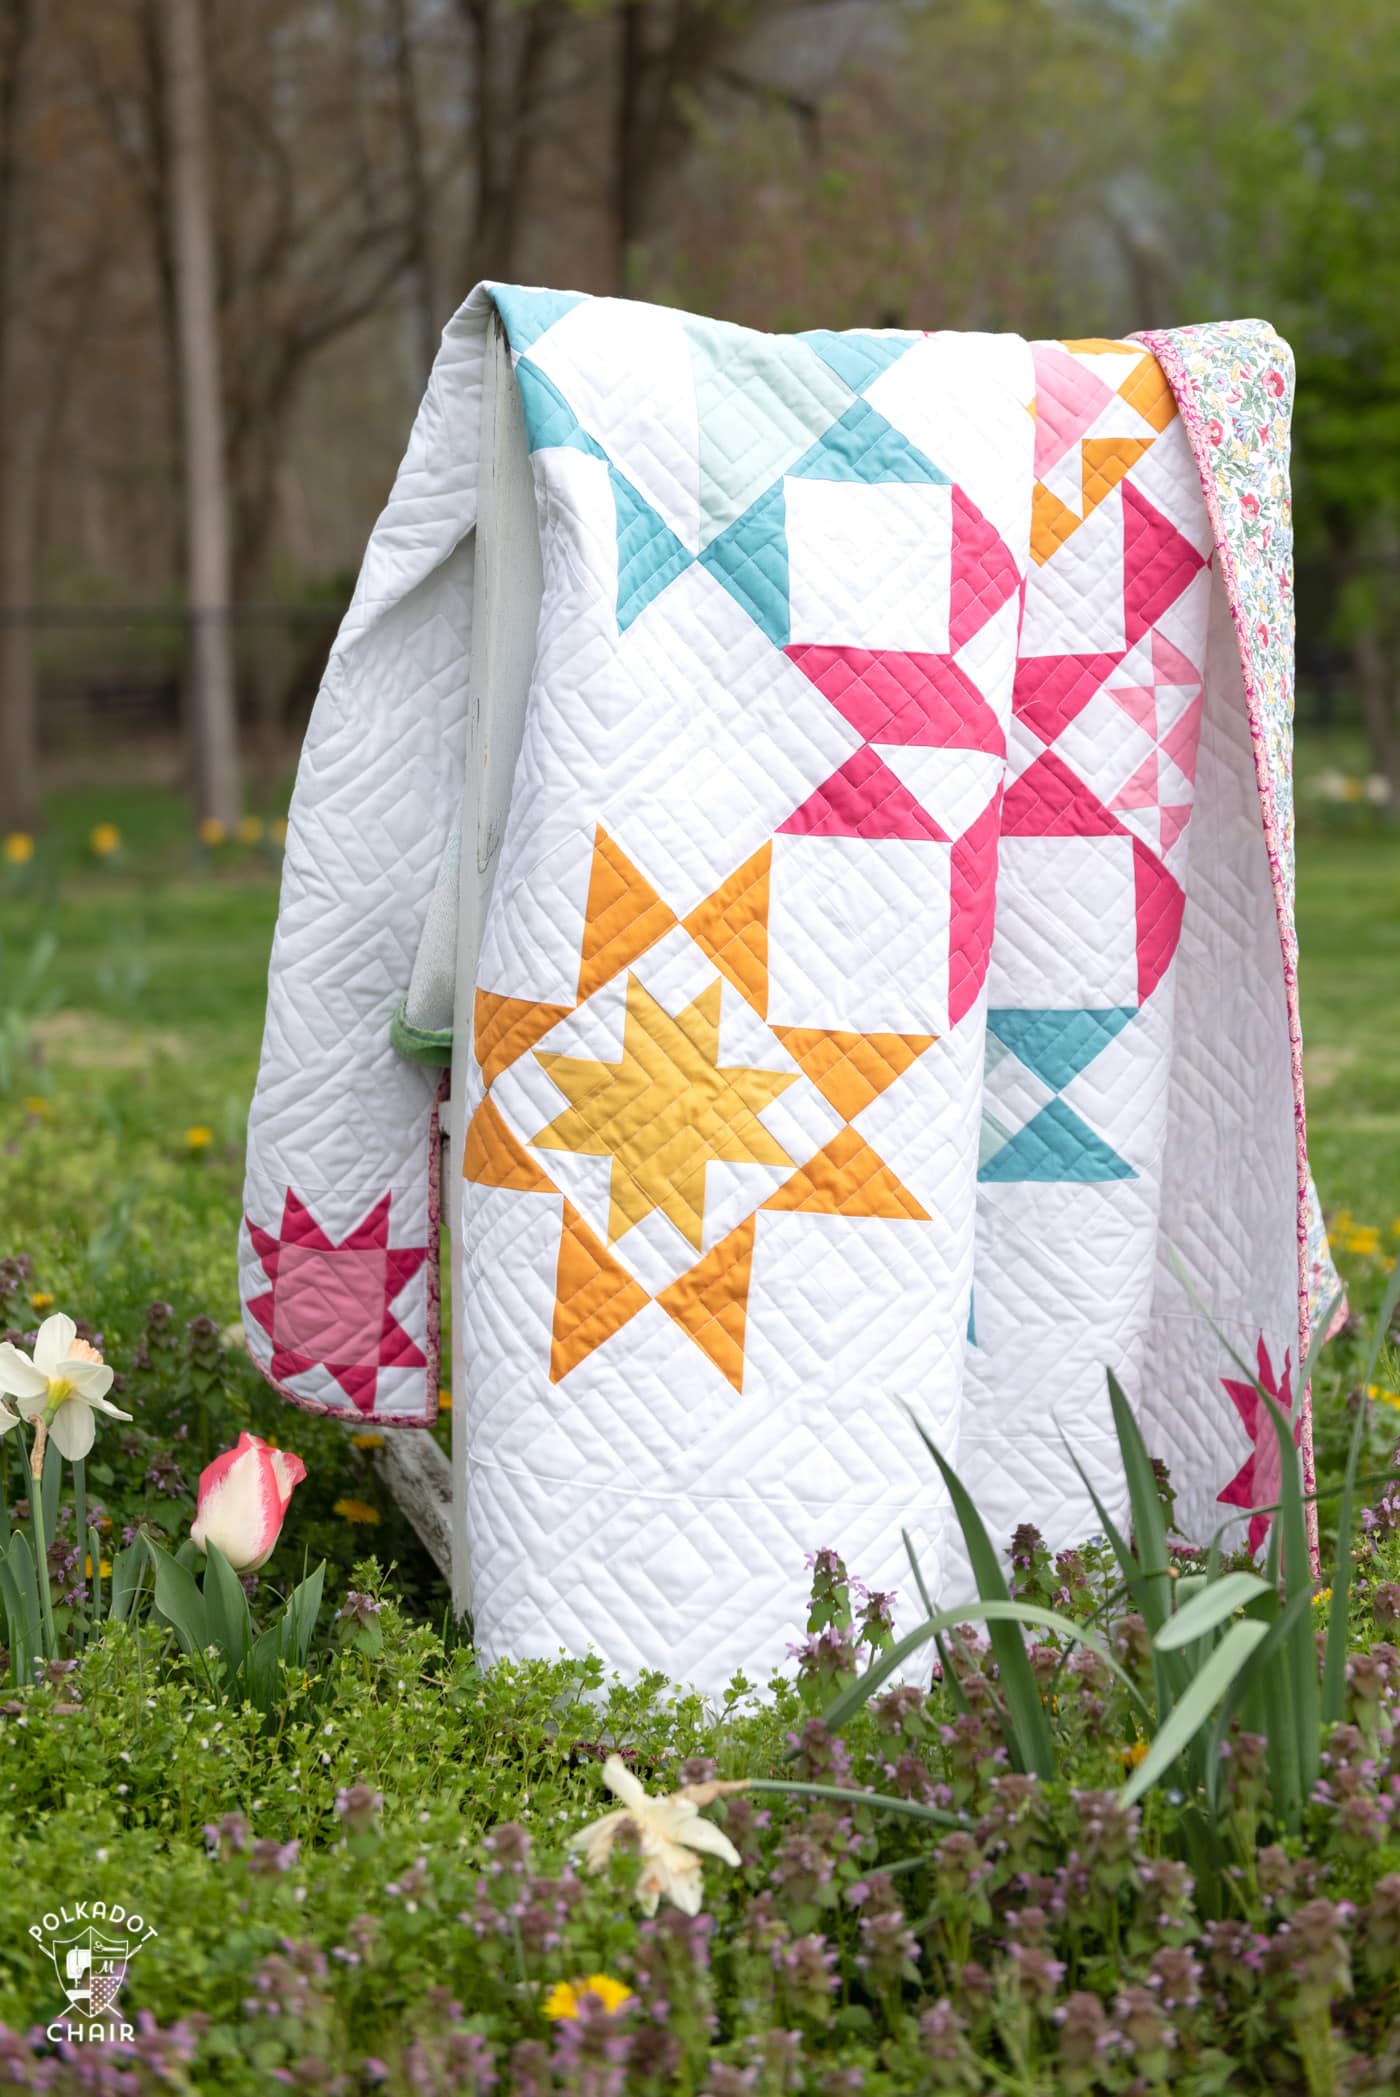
[(508, 589)]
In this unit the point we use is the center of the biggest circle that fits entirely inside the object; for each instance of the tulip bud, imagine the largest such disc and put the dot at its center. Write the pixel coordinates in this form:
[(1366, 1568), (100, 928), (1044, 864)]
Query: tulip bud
[(243, 1499)]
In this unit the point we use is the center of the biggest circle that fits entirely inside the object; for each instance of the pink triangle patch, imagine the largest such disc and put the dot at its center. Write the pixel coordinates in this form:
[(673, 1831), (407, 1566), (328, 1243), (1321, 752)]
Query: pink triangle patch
[(1174, 823), (972, 905), (1069, 398), (1139, 702), (1141, 790), (985, 575), (890, 696), (863, 799), (1049, 800), (1160, 903), (1169, 665), (1158, 563), (1051, 689), (1182, 739)]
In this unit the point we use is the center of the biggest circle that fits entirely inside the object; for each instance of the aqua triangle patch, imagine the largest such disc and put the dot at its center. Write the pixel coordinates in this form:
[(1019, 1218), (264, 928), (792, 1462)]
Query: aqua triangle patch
[(751, 560), (1056, 1145), (530, 314), (1057, 1045), (858, 357), (863, 447), (649, 555), (549, 420)]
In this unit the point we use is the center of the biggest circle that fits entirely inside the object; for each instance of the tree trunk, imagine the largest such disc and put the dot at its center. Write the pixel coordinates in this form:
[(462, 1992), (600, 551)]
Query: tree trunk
[(626, 170), (1375, 688), (19, 762), (211, 692), (1377, 691), (19, 713), (423, 308)]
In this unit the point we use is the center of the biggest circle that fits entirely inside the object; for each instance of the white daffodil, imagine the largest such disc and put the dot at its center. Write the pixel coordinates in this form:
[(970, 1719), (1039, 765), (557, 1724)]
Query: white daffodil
[(670, 1830), (62, 1387)]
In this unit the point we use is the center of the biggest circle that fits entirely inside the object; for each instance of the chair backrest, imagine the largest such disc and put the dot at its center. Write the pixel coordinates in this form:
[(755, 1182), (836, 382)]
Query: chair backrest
[(509, 585)]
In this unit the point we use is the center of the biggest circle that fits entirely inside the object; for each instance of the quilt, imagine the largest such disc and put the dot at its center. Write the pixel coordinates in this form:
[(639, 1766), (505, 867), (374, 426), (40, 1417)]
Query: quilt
[(888, 1000)]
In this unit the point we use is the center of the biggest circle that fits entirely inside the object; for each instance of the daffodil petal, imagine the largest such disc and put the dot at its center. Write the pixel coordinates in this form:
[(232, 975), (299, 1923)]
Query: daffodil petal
[(52, 1342), (7, 1418), (622, 1784), (597, 1830), (72, 1429), (91, 1380), (704, 1835), (32, 1403), (113, 1412), (686, 1891), (18, 1375)]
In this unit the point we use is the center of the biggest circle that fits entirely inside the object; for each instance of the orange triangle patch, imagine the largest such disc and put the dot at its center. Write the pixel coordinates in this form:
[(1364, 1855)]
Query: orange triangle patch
[(847, 1178), (732, 927), (1052, 522), (1146, 390), (495, 1156), (711, 1302), (1095, 345), (593, 1296), (850, 1070), (503, 1028), (625, 916), (1105, 460)]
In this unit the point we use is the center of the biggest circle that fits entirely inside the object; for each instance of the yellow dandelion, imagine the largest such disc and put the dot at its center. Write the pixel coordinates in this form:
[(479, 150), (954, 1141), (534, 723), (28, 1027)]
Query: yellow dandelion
[(444, 1399), (19, 848), (1379, 1393), (37, 1107), (1395, 1228), (1353, 789), (250, 830), (1133, 1754), (1340, 1222), (199, 1137), (105, 839), (368, 1441), (565, 1999), (212, 832), (104, 1566), (1322, 1598), (358, 1511), (279, 831), (1364, 1239), (41, 1300)]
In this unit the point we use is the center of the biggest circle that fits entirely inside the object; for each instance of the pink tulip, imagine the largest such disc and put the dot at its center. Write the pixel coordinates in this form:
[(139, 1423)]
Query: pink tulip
[(243, 1499)]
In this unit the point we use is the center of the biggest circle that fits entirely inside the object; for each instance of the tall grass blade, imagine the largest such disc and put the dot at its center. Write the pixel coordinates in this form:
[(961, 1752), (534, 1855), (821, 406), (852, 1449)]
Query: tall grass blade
[(1277, 1631), (1300, 1648), (1193, 1710), (1334, 1670), (1128, 1563), (1149, 1523), (857, 1694), (1208, 1608), (1029, 1741)]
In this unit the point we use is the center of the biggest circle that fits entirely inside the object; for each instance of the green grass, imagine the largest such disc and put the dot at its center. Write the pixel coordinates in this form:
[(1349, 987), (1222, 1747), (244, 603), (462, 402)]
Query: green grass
[(1349, 933)]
